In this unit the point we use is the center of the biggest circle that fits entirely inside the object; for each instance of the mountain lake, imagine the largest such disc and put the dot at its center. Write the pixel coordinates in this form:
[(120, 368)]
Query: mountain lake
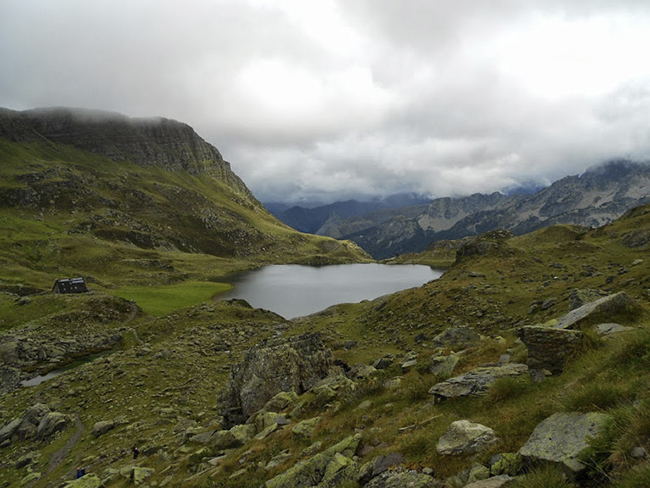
[(292, 290)]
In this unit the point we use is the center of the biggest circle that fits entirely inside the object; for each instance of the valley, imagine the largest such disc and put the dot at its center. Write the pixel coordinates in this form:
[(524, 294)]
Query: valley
[(521, 333)]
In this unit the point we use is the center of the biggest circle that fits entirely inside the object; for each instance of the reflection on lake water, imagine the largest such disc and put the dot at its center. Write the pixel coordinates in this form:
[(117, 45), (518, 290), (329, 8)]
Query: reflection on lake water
[(294, 290)]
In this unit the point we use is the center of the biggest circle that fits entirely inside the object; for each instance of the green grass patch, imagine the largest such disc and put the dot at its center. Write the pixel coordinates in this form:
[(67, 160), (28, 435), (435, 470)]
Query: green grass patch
[(161, 300)]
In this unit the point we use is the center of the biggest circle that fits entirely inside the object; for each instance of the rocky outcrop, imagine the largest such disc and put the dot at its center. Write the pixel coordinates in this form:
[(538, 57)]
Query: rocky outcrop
[(475, 382), (563, 437), (295, 364), (38, 421), (465, 437), (549, 348), (328, 469)]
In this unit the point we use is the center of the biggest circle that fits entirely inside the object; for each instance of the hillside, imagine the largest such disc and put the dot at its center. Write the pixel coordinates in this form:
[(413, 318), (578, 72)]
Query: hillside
[(595, 198), (220, 394), (130, 201)]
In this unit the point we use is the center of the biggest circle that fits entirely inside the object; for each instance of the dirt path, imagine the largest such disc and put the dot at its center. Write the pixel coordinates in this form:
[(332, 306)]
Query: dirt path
[(58, 457)]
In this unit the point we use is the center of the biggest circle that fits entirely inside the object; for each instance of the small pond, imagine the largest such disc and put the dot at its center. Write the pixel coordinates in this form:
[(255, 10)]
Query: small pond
[(294, 290)]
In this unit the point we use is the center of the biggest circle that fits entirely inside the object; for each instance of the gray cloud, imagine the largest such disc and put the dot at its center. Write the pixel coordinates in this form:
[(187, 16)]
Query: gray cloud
[(359, 98)]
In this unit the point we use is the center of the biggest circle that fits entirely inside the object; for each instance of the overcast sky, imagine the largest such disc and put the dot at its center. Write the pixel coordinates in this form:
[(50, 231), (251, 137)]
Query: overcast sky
[(326, 99)]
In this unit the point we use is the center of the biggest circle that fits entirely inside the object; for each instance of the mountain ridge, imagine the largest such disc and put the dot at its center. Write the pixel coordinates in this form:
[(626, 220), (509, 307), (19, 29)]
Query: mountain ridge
[(594, 198)]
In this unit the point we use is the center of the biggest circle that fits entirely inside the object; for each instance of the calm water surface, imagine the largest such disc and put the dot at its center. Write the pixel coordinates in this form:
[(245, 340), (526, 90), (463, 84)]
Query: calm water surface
[(294, 290)]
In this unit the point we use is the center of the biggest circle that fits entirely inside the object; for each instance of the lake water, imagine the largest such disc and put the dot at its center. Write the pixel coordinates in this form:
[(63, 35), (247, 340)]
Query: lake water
[(294, 290)]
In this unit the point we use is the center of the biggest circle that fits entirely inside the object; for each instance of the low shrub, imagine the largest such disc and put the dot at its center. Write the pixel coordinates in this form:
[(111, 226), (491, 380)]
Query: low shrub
[(546, 477), (505, 388)]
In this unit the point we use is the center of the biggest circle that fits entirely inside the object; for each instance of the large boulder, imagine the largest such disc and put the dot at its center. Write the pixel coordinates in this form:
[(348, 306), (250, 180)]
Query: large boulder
[(475, 382), (562, 438), (604, 309), (52, 423), (465, 437), (273, 366), (549, 348)]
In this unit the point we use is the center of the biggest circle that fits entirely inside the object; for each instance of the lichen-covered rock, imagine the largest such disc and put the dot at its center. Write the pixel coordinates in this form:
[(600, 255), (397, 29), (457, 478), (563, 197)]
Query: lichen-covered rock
[(465, 437), (52, 423), (305, 429), (378, 465), (402, 479), (7, 431), (330, 468), (563, 437), (277, 365), (508, 463), (495, 482), (243, 433), (102, 427), (87, 481), (281, 401), (443, 365), (475, 382), (457, 338), (548, 347)]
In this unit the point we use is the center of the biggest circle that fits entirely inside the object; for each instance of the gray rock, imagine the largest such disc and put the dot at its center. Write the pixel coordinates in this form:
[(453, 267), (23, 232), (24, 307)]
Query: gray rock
[(563, 437), (378, 465), (221, 439), (457, 338), (8, 430), (384, 362), (393, 383), (280, 401), (102, 427), (52, 423), (548, 347), (465, 437), (475, 382), (408, 365), (507, 463), (360, 371), (88, 481), (305, 429), (278, 459), (605, 308), (578, 298), (273, 366), (443, 365), (494, 482), (608, 329)]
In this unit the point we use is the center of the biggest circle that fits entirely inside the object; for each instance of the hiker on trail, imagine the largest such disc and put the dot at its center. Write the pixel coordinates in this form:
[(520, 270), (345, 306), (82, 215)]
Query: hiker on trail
[(80, 473), (136, 452)]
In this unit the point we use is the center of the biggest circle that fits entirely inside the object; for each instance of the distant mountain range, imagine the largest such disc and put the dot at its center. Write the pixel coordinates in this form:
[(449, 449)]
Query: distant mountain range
[(592, 199)]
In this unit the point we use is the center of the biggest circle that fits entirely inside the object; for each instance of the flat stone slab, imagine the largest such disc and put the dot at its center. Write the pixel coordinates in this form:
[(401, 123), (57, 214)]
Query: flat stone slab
[(562, 437), (609, 306), (465, 437), (476, 382)]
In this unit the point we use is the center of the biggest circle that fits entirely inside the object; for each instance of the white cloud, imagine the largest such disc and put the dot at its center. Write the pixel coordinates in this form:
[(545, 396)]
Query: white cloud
[(337, 99)]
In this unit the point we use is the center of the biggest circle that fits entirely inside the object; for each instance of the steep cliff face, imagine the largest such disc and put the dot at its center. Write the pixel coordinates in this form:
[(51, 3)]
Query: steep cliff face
[(160, 142)]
